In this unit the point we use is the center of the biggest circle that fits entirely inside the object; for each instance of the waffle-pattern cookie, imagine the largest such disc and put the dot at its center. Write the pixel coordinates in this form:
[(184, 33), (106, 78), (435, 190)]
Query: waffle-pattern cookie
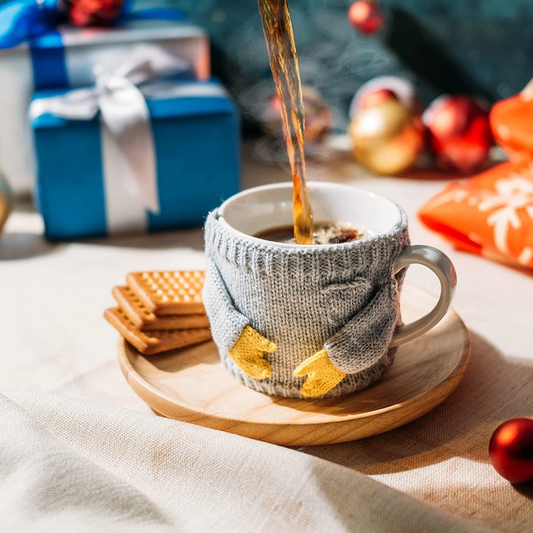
[(154, 341), (169, 293), (145, 320)]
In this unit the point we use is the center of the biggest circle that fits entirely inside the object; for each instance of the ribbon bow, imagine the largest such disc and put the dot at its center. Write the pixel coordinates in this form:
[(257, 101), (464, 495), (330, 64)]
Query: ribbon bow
[(124, 114)]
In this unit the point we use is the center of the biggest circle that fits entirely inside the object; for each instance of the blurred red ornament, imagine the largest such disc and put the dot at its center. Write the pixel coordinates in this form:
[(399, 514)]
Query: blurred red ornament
[(459, 133), (93, 12), (380, 89), (511, 450), (366, 16), (376, 97)]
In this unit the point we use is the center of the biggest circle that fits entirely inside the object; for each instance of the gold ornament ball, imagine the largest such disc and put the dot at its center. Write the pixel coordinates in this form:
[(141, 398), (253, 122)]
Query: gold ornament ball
[(387, 138), (5, 202)]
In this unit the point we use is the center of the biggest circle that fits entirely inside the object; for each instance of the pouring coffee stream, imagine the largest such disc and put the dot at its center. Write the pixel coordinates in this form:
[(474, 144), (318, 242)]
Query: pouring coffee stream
[(281, 47)]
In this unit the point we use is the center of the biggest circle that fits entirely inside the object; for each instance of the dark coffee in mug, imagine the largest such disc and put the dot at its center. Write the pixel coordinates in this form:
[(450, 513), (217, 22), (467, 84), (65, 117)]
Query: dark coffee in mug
[(323, 233)]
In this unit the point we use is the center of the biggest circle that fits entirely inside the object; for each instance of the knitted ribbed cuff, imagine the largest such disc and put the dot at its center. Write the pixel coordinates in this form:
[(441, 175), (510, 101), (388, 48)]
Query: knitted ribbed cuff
[(370, 255)]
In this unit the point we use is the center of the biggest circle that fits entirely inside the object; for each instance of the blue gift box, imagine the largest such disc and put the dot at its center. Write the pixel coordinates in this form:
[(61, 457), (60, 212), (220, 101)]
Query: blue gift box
[(195, 128), (40, 50)]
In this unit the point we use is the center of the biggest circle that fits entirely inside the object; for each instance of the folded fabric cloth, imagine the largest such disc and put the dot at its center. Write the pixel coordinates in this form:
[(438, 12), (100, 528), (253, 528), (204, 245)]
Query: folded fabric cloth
[(491, 214), (511, 121), (70, 465)]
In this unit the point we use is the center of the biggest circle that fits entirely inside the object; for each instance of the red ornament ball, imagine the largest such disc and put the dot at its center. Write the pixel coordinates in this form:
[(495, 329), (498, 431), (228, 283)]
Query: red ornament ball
[(511, 450), (93, 12), (378, 90), (459, 133), (376, 97), (366, 16)]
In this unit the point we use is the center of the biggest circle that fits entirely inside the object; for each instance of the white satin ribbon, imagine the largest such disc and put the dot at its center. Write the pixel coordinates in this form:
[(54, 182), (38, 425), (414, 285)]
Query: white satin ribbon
[(127, 138)]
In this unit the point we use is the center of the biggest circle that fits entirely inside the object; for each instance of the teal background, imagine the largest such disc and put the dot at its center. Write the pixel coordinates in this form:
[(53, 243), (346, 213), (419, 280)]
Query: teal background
[(482, 47)]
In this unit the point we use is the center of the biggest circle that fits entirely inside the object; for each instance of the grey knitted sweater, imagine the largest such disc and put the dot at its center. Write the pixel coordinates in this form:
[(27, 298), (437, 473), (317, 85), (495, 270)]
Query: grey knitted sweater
[(341, 297)]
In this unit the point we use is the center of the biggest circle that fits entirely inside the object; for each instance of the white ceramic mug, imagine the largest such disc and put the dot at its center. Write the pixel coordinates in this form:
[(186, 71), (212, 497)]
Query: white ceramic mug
[(255, 210)]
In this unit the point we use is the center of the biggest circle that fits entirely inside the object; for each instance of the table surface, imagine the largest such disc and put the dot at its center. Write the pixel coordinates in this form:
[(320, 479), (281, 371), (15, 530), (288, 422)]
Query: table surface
[(55, 340)]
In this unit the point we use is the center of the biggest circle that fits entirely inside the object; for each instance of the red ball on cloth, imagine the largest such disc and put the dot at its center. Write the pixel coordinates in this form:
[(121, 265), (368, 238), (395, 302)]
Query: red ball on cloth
[(459, 133), (366, 16), (511, 450), (93, 12)]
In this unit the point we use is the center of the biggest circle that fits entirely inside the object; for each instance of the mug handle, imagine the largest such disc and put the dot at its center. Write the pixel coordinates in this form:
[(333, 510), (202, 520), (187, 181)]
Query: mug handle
[(441, 265)]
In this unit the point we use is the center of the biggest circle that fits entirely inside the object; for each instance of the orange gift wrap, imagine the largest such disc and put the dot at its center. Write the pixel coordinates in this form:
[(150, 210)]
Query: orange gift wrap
[(490, 214), (511, 121)]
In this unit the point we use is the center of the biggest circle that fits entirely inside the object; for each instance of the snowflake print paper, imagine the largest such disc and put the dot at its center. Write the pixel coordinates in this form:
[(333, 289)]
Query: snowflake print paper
[(491, 214)]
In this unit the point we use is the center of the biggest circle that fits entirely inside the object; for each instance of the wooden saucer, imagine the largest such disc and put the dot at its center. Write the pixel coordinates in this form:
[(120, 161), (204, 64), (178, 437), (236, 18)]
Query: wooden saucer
[(192, 385)]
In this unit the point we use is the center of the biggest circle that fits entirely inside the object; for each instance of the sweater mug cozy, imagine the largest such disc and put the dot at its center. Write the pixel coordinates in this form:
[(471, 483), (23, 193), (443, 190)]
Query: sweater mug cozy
[(311, 321)]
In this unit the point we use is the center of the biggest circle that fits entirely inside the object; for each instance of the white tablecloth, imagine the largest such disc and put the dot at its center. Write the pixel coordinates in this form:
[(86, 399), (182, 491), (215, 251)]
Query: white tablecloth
[(55, 341), (74, 466)]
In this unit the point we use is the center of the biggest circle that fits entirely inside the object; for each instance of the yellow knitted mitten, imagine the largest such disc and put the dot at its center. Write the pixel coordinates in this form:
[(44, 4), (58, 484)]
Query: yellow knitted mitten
[(248, 354), (322, 375)]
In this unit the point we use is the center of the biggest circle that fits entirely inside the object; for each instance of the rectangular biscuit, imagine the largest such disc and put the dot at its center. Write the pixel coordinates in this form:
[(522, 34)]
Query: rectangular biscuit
[(145, 320), (176, 292), (154, 341)]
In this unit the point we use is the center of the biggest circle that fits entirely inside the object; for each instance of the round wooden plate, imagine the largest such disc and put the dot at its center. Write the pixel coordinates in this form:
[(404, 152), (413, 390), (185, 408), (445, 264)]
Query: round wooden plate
[(192, 385)]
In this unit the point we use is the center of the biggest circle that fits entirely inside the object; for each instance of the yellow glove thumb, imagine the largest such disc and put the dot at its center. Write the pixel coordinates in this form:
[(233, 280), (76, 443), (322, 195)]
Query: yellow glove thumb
[(248, 354), (322, 375)]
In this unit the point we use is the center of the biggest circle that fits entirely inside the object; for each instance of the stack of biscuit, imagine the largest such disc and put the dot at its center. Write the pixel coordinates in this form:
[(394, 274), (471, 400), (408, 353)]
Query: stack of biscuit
[(160, 311)]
